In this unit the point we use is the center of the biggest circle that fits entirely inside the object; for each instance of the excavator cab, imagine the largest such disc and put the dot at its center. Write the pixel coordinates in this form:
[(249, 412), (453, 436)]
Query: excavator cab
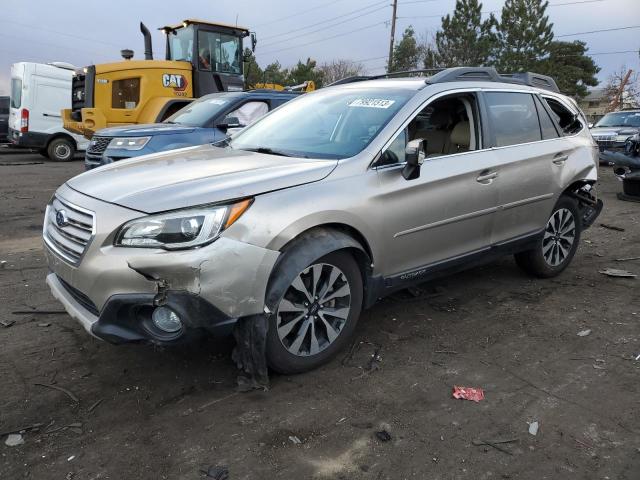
[(214, 51)]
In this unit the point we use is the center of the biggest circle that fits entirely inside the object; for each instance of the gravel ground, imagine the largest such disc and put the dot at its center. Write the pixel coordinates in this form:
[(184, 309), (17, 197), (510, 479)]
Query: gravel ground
[(148, 413)]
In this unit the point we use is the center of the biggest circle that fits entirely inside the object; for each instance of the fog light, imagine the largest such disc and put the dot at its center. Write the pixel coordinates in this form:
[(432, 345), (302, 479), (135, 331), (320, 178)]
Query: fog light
[(166, 320)]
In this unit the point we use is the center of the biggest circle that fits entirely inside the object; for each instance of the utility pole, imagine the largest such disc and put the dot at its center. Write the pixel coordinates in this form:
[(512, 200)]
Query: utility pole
[(393, 34)]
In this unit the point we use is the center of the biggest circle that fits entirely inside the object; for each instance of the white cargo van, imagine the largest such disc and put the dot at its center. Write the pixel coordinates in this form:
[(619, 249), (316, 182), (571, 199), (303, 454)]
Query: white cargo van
[(38, 93)]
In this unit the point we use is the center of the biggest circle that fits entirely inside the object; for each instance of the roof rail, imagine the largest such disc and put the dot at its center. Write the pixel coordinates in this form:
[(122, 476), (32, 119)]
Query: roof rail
[(459, 74), (490, 74)]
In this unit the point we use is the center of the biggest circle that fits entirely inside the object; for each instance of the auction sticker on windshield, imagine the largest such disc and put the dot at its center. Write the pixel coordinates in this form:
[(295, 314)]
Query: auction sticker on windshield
[(372, 103)]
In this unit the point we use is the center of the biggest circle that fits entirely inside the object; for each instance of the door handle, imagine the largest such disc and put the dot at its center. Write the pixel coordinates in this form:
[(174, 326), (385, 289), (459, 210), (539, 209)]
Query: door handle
[(487, 177), (560, 158)]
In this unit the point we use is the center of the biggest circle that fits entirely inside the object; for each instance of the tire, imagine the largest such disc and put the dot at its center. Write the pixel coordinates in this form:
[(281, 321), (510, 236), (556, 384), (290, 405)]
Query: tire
[(556, 248), (631, 187), (61, 149), (289, 323)]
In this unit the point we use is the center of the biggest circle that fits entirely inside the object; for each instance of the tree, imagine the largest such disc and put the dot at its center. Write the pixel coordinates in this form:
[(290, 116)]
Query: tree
[(339, 69), (465, 40), (252, 72), (406, 53), (627, 96), (570, 66), (303, 72), (524, 35), (274, 73)]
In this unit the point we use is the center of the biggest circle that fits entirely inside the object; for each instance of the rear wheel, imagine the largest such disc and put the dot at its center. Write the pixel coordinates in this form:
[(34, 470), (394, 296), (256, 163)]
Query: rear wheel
[(61, 149), (557, 246), (317, 314)]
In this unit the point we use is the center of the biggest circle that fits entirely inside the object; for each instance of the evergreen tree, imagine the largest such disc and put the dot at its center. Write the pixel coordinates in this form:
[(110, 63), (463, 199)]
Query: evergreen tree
[(252, 71), (524, 35), (465, 40), (406, 53), (570, 66), (274, 73), (303, 72)]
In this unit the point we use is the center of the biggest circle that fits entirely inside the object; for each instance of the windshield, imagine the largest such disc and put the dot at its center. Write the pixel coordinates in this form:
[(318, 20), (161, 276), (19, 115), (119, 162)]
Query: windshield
[(200, 112), (218, 52), (332, 124), (181, 44), (16, 92), (620, 119)]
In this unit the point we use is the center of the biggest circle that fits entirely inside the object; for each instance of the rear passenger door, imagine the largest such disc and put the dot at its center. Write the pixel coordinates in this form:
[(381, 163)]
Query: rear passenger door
[(526, 161)]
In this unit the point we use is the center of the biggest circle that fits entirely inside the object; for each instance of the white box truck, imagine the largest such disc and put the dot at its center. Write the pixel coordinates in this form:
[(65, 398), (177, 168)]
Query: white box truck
[(38, 93)]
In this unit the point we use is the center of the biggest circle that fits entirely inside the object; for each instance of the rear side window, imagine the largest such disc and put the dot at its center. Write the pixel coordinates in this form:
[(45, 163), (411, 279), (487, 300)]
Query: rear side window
[(125, 93), (16, 92), (513, 118), (567, 120), (547, 126)]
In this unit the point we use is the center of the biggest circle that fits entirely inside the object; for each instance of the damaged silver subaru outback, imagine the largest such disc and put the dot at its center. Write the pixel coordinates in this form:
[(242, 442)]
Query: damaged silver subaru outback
[(319, 208)]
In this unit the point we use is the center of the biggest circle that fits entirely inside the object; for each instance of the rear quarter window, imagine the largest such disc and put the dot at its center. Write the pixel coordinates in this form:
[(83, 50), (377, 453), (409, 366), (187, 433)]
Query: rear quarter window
[(568, 121), (16, 93), (513, 118)]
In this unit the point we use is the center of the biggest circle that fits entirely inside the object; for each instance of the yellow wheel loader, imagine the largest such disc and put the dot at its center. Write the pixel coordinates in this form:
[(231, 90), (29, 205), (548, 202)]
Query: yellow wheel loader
[(201, 58)]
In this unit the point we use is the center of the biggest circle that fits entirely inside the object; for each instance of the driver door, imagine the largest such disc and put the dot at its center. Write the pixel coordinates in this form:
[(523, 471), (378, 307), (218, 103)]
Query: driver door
[(444, 214)]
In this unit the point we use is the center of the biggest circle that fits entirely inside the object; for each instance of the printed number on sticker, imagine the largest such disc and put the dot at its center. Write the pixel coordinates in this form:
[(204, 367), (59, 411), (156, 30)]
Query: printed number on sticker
[(372, 103)]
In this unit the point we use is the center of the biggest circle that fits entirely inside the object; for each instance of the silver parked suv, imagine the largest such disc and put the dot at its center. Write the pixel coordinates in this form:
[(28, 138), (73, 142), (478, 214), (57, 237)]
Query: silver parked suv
[(324, 205)]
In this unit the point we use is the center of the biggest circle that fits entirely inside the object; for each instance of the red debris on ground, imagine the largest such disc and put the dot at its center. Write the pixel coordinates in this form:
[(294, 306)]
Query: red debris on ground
[(468, 393)]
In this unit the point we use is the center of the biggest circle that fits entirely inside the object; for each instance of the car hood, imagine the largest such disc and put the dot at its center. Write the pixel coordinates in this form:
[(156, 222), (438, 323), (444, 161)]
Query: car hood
[(195, 176), (145, 130), (607, 131)]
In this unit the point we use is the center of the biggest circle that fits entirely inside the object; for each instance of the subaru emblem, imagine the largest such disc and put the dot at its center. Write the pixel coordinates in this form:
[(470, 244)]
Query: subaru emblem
[(61, 218)]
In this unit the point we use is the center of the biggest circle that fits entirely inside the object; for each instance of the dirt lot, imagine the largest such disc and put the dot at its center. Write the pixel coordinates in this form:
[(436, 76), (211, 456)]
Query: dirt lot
[(168, 413)]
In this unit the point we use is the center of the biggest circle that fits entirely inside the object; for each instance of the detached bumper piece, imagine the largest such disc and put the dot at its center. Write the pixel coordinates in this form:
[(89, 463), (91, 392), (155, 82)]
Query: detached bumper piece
[(130, 317), (590, 205)]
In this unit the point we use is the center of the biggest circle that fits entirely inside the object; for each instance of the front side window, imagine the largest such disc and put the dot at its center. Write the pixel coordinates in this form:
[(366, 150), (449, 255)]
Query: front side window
[(513, 118), (332, 123), (249, 112), (218, 52), (125, 93), (16, 92), (448, 126), (181, 44)]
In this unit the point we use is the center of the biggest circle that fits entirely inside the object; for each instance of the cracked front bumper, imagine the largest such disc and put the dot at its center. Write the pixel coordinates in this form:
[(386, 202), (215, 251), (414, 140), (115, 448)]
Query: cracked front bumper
[(212, 286)]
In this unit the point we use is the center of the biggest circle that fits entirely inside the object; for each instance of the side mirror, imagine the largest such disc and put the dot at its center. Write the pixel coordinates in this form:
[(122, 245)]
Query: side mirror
[(590, 125), (229, 122), (415, 153)]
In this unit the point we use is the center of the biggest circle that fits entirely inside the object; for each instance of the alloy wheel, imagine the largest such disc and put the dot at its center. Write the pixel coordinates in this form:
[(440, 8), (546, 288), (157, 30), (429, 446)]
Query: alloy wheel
[(559, 237), (314, 310)]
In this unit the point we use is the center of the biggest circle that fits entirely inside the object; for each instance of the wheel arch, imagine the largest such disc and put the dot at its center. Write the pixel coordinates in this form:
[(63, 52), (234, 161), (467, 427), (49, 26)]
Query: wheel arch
[(57, 135), (315, 243)]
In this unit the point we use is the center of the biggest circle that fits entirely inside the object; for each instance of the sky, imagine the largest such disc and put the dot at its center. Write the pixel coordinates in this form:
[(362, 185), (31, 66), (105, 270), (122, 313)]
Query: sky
[(89, 32)]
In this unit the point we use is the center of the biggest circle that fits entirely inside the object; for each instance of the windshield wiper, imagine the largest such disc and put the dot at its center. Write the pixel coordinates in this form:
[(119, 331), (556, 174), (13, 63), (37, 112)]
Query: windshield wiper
[(268, 151)]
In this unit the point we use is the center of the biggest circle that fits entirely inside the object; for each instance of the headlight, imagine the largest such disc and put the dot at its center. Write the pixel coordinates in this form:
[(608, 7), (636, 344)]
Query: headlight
[(129, 143), (180, 229)]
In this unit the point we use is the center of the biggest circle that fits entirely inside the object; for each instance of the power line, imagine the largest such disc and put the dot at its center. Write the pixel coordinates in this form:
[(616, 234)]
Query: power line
[(324, 28), (298, 14), (359, 10), (598, 31), (577, 2), (326, 38)]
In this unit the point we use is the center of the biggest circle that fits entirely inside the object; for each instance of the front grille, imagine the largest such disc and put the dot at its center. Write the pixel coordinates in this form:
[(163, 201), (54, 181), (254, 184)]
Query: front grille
[(68, 229), (80, 297), (98, 145), (605, 142)]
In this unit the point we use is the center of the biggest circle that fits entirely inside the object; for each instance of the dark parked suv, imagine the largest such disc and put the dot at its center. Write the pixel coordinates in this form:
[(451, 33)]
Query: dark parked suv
[(4, 118), (207, 120)]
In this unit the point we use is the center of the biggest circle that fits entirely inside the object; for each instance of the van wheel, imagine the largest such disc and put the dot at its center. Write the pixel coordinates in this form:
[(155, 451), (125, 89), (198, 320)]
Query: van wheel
[(61, 150), (557, 246), (317, 315)]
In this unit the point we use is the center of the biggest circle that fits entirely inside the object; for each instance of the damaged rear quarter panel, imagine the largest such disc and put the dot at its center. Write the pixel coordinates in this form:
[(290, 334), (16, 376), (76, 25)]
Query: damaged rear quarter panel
[(229, 274)]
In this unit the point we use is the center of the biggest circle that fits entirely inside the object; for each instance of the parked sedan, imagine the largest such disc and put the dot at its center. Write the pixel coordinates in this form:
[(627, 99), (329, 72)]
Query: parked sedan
[(612, 131), (206, 120)]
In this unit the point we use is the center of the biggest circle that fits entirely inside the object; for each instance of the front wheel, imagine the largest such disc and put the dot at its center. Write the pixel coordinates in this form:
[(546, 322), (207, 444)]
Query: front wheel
[(317, 314), (61, 149), (557, 246)]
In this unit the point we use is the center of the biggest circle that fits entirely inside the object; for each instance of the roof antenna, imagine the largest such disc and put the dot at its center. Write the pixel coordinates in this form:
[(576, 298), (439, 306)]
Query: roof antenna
[(236, 19)]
